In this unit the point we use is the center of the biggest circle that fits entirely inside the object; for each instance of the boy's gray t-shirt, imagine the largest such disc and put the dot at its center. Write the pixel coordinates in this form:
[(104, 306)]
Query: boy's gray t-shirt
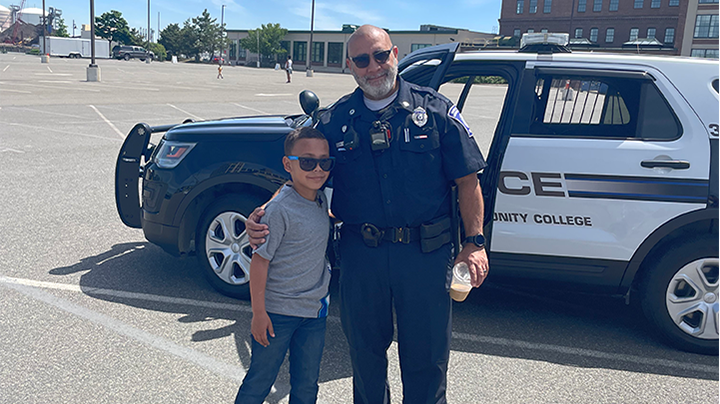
[(298, 275)]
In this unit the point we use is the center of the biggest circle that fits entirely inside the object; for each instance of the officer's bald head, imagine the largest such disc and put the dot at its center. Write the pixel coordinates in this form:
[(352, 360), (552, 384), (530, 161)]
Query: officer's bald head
[(368, 33)]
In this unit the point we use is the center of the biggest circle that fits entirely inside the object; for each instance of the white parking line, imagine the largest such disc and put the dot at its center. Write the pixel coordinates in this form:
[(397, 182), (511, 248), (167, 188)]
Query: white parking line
[(251, 109), (185, 112), (54, 81), (273, 95), (245, 307), (15, 91), (108, 122), (48, 67), (6, 67), (40, 129)]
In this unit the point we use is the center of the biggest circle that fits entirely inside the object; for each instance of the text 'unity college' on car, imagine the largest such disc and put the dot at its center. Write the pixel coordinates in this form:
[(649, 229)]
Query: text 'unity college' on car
[(602, 177)]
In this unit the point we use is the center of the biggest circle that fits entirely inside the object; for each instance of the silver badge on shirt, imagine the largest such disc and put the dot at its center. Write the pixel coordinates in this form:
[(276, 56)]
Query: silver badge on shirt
[(419, 117)]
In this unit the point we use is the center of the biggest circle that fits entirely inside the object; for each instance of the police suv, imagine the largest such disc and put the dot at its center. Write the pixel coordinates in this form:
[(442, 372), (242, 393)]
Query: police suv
[(602, 177)]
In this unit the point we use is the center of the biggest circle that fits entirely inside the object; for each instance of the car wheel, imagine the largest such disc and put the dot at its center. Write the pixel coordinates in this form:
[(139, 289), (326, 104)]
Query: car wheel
[(680, 295), (223, 250), (126, 57)]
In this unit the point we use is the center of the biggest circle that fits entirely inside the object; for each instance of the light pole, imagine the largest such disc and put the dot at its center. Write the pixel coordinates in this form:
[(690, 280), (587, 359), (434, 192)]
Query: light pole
[(258, 43), (222, 35), (148, 33), (309, 71), (93, 71), (44, 57)]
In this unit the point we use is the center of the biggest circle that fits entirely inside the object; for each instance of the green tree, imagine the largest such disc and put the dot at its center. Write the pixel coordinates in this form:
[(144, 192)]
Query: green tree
[(271, 36), (171, 39), (112, 26), (158, 50), (189, 40), (135, 37), (208, 31), (61, 30)]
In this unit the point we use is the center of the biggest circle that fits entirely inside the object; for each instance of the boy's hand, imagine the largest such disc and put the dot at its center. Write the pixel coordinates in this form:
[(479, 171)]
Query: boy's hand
[(262, 326), (255, 230)]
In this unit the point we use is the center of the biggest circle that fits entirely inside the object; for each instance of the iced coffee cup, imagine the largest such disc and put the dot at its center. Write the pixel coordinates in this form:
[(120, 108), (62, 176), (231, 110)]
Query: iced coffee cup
[(460, 286)]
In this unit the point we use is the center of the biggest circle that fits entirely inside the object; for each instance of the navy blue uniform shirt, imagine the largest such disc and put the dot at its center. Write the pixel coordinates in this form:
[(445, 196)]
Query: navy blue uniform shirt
[(407, 184)]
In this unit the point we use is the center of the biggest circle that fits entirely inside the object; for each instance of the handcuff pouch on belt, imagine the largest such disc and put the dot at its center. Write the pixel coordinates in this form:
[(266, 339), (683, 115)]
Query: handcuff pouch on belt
[(432, 235)]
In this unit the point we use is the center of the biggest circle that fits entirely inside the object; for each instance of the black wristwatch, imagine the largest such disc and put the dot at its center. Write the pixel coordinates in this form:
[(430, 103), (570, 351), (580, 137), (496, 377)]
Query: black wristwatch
[(478, 240)]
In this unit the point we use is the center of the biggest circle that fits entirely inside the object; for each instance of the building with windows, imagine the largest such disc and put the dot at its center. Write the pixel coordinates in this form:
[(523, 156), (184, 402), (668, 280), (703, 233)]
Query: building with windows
[(330, 47), (673, 27)]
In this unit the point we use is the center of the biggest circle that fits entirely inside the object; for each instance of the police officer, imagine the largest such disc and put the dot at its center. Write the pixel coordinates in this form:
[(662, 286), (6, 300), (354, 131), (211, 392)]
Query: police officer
[(398, 148)]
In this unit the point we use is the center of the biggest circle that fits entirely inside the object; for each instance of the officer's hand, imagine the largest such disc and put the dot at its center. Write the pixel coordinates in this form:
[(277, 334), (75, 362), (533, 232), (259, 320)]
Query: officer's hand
[(255, 230), (260, 327), (477, 261)]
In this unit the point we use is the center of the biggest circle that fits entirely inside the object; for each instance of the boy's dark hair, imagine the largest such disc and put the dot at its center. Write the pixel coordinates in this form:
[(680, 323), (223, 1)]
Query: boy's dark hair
[(301, 133)]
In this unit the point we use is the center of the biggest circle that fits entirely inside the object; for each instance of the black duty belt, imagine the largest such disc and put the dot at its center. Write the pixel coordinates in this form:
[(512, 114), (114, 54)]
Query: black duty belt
[(431, 235)]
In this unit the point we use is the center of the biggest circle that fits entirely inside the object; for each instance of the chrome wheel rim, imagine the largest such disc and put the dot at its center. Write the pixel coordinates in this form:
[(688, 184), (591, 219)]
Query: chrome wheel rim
[(227, 248), (692, 298)]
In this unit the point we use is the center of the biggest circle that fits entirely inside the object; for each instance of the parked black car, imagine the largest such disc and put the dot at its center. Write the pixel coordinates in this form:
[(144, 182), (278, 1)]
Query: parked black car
[(131, 52), (602, 177)]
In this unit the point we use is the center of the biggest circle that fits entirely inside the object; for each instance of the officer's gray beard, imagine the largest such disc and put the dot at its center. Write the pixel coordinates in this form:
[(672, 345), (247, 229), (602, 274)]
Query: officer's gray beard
[(380, 90)]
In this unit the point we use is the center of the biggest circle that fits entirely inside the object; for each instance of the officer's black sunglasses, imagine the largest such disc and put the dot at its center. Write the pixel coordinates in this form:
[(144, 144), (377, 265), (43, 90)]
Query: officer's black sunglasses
[(309, 164), (362, 61)]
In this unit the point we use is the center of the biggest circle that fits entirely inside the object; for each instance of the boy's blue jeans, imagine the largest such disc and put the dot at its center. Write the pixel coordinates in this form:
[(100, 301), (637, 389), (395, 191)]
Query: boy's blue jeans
[(305, 338)]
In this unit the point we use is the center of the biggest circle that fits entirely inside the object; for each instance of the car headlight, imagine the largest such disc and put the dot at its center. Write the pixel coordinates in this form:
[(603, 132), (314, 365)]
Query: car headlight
[(171, 153)]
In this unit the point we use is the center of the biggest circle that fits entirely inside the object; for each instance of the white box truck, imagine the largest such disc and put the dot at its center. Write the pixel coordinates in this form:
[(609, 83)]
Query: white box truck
[(74, 47)]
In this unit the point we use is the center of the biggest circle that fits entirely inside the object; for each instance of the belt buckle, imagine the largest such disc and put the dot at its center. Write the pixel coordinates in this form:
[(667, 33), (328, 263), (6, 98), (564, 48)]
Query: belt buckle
[(401, 235)]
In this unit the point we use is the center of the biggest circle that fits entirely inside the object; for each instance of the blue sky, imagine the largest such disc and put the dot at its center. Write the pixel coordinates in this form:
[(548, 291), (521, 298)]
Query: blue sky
[(475, 15)]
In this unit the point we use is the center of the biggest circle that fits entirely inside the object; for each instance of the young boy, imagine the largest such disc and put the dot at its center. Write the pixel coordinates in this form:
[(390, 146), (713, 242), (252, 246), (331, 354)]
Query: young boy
[(289, 276)]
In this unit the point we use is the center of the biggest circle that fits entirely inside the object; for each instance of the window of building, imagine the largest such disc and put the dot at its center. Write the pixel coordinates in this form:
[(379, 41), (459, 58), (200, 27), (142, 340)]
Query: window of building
[(335, 53), (318, 53), (582, 5), (299, 51), (651, 33), (417, 46), (578, 32), (547, 7), (602, 107), (704, 53), (597, 5), (639, 3), (530, 30), (242, 53), (706, 26), (610, 35), (655, 4), (669, 35), (233, 51), (634, 33), (519, 6), (517, 32), (533, 7), (707, 1), (673, 3), (544, 31), (593, 34), (614, 5)]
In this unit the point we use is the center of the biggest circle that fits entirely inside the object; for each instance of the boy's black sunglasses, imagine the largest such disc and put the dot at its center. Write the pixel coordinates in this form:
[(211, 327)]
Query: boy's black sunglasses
[(309, 164), (362, 61)]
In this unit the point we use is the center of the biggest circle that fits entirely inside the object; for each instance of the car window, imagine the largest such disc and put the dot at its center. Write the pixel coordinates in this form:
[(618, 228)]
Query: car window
[(604, 107), (482, 107)]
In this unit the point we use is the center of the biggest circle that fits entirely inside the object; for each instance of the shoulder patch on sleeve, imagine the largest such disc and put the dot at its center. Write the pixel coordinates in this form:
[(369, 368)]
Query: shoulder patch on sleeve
[(454, 113)]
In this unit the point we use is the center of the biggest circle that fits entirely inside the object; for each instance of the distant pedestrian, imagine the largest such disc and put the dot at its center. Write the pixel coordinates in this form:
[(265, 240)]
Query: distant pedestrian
[(288, 68), (220, 76)]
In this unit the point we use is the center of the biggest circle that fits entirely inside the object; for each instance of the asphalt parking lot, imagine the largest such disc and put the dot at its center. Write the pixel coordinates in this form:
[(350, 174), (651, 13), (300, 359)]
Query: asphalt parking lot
[(94, 313)]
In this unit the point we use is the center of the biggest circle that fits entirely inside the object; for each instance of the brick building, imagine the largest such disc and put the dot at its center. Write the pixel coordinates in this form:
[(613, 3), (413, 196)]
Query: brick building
[(675, 27)]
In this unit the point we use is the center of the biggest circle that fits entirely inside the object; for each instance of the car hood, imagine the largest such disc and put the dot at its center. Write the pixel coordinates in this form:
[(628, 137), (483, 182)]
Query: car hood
[(256, 128)]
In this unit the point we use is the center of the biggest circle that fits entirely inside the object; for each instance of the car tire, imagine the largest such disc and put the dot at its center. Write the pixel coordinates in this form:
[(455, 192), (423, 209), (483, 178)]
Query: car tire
[(679, 294), (126, 57), (222, 247)]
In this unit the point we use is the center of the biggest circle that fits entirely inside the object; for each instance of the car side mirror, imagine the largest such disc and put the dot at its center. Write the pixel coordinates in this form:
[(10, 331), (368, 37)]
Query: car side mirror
[(309, 102)]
